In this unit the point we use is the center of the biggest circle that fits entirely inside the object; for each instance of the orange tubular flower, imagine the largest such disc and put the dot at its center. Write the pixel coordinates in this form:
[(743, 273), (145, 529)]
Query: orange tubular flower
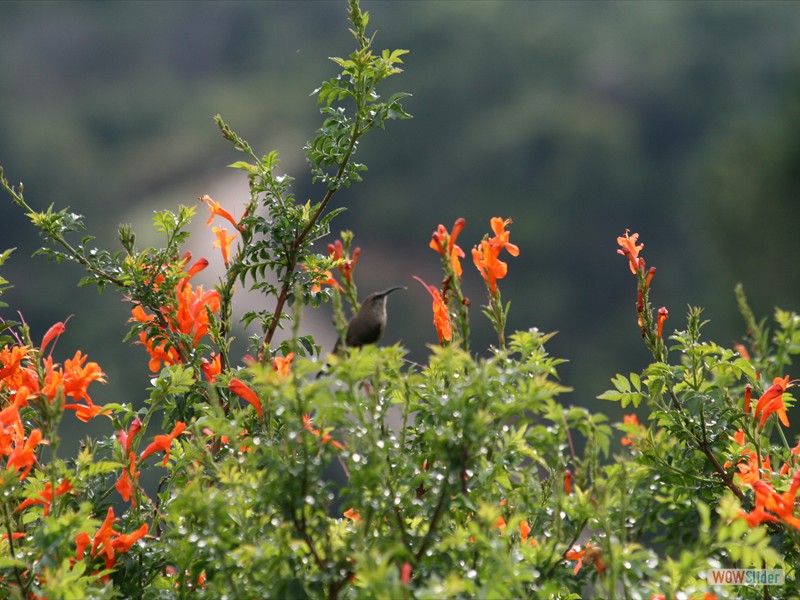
[(107, 541), (324, 437), (663, 315), (441, 316), (630, 420), (772, 401), (23, 456), (781, 505), (576, 554), (336, 250), (12, 433), (240, 388), (568, 482), (138, 314), (192, 313), (212, 368), (124, 484), (651, 272), (81, 542), (73, 379), (13, 375), (589, 553), (439, 240), (217, 211), (223, 242), (630, 250), (53, 383), (123, 542), (748, 394), (501, 524), (488, 265), (163, 442), (742, 350), (103, 538), (486, 255), (757, 516), (54, 332), (200, 264), (125, 438), (524, 533), (748, 468), (189, 315), (501, 236), (405, 573), (524, 530), (325, 279), (445, 244), (352, 514), (739, 437), (86, 413), (159, 353), (282, 365), (45, 497)]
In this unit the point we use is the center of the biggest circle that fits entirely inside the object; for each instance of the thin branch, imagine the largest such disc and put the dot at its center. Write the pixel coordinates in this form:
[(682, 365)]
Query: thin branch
[(437, 513), (300, 525), (397, 512), (563, 556), (727, 480), (298, 241), (20, 200), (17, 573)]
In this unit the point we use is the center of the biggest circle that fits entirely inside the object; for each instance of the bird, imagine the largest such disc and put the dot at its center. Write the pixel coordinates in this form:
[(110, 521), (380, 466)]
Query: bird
[(369, 323)]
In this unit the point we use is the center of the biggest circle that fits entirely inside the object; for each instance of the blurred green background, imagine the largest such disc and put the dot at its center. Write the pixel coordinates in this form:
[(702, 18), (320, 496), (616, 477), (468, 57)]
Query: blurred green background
[(678, 120)]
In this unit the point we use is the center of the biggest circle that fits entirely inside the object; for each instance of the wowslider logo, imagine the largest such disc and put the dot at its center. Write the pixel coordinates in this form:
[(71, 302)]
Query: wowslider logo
[(746, 577)]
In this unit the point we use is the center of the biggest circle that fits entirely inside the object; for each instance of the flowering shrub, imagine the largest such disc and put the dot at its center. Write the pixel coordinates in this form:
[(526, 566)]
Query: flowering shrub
[(290, 474)]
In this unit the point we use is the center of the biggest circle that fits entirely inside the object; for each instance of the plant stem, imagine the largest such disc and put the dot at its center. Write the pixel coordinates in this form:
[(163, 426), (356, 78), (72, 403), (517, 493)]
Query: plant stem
[(437, 513), (298, 241), (74, 254), (12, 552)]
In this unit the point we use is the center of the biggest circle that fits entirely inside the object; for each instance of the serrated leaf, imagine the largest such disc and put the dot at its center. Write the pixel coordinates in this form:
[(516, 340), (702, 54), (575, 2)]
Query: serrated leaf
[(244, 166), (101, 467), (4, 256), (745, 366), (503, 480), (327, 218), (621, 383), (636, 381)]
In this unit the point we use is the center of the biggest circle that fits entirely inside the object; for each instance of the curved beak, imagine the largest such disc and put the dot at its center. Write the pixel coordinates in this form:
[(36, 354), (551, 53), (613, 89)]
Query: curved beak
[(392, 289)]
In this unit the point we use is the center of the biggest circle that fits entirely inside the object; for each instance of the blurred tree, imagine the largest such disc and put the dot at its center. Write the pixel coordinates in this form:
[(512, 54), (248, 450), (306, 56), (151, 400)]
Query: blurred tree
[(752, 209)]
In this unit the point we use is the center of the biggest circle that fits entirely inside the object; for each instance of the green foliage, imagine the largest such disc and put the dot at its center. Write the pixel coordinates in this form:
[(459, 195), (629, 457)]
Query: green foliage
[(336, 141), (710, 443)]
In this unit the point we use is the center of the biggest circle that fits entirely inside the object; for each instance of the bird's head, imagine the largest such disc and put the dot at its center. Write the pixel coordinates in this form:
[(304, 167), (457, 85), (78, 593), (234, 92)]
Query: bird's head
[(381, 296)]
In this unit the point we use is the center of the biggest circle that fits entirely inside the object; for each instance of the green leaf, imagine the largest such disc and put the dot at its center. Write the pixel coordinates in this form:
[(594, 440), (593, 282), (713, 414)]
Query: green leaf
[(4, 256), (245, 166)]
